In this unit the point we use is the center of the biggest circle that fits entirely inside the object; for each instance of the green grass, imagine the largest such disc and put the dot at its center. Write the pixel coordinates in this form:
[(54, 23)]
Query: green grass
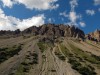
[(65, 51), (86, 56), (25, 66), (76, 59), (20, 70), (84, 70), (90, 43), (6, 53), (60, 56), (42, 46)]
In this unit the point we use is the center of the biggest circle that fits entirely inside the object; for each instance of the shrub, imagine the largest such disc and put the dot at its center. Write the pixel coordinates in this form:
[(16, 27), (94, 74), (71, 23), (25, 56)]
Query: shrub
[(42, 46), (6, 53), (88, 70), (60, 56)]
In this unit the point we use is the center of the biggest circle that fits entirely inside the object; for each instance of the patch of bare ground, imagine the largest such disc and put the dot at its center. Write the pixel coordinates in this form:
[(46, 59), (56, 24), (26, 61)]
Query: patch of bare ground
[(10, 65), (88, 59)]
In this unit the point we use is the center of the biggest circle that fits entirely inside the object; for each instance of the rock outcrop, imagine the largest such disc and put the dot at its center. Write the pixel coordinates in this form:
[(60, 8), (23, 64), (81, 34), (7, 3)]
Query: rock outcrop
[(49, 30), (52, 30), (95, 36)]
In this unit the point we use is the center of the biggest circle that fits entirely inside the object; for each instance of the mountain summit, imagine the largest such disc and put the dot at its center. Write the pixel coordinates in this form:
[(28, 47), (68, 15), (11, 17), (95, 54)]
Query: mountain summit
[(55, 30), (50, 30)]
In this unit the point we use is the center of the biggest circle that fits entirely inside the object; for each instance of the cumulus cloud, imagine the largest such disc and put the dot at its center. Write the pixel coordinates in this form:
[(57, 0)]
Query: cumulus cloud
[(82, 24), (33, 4), (12, 23), (73, 16), (90, 12), (8, 3), (96, 2), (34, 21)]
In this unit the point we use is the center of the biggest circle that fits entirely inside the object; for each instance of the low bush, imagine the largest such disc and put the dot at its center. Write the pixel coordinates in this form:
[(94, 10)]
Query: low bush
[(42, 46), (6, 53), (88, 70), (60, 56)]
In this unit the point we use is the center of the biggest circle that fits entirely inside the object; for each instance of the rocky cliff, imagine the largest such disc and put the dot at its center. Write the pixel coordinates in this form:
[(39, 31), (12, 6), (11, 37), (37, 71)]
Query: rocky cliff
[(55, 30), (49, 30), (95, 36)]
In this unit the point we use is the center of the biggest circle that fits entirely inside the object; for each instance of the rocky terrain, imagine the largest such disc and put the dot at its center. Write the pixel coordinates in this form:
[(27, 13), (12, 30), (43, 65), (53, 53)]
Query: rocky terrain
[(56, 30), (49, 29), (49, 50), (94, 35)]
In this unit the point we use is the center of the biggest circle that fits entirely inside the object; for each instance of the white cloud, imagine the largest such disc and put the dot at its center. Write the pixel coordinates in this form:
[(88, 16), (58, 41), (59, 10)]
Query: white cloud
[(73, 16), (63, 14), (51, 20), (90, 12), (7, 3), (55, 6), (12, 23), (97, 2), (33, 4), (34, 21), (82, 24), (73, 4)]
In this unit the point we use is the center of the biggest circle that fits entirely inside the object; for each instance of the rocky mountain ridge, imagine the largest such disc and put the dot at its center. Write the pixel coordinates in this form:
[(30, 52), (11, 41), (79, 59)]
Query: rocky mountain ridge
[(55, 31), (95, 36)]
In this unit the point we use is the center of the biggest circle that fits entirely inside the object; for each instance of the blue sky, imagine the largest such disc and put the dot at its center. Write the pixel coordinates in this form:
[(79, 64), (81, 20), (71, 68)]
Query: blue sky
[(22, 14)]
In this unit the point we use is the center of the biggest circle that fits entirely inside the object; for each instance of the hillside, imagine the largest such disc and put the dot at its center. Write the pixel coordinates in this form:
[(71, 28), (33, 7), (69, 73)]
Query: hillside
[(48, 50)]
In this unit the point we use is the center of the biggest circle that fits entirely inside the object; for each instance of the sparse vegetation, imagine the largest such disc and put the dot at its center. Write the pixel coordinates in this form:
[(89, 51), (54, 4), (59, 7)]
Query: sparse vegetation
[(91, 43), (42, 46), (25, 37), (84, 70), (76, 60), (25, 66), (60, 56), (6, 53), (65, 51), (86, 56), (53, 70)]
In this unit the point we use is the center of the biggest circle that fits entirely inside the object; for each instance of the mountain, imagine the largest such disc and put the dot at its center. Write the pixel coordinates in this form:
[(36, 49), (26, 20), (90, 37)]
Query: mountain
[(94, 35), (56, 30), (49, 30), (49, 50)]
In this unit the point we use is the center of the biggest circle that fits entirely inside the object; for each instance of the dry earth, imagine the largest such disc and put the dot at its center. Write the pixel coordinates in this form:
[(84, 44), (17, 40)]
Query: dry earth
[(46, 62)]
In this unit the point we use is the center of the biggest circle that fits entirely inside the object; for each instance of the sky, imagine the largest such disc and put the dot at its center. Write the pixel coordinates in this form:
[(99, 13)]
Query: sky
[(21, 14)]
